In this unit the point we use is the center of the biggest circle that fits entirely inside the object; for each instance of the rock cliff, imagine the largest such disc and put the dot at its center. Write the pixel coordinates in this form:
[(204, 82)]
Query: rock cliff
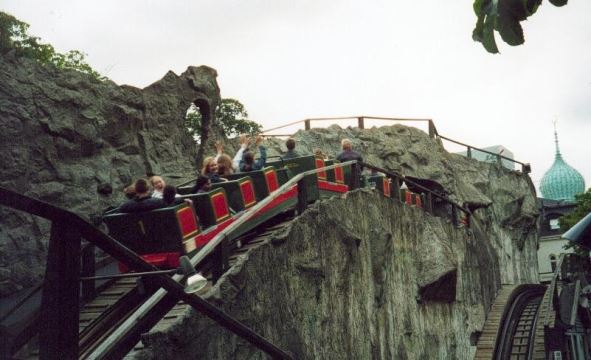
[(77, 142), (392, 282)]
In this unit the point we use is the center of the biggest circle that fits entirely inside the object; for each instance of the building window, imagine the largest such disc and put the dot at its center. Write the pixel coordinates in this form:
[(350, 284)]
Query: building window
[(553, 262), (554, 224)]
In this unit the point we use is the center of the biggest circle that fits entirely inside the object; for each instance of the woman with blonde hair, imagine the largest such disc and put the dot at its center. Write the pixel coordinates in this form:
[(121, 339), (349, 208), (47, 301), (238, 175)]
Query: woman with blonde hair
[(210, 169)]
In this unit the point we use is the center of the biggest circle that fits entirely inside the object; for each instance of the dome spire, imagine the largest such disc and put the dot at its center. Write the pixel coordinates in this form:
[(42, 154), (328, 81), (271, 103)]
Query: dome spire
[(561, 181), (556, 140)]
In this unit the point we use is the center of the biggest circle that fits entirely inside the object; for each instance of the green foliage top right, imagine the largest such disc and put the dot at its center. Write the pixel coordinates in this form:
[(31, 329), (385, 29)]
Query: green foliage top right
[(504, 16), (583, 208)]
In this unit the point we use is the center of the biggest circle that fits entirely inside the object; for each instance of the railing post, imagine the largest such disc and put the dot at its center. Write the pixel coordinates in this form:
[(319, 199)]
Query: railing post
[(360, 122), (469, 152), (302, 196), (432, 131), (88, 270), (307, 124), (58, 336), (220, 262)]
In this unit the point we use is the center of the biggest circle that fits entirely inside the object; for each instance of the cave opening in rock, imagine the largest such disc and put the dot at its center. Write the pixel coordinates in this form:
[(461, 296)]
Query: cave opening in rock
[(198, 122)]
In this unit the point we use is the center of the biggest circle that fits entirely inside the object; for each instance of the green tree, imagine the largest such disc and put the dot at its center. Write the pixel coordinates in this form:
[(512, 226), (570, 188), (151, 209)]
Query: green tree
[(504, 16), (230, 114), (581, 210), (568, 221), (14, 37)]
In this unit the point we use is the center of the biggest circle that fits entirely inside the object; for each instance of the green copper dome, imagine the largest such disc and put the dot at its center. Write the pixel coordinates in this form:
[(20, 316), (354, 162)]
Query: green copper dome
[(561, 181)]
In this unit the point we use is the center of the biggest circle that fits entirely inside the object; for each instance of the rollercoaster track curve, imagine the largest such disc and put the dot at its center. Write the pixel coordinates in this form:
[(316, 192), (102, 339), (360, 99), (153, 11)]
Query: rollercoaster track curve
[(512, 329)]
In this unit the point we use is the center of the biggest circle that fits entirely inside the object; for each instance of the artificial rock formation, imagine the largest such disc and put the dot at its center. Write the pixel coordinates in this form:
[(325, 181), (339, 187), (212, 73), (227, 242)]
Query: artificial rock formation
[(76, 142), (390, 281)]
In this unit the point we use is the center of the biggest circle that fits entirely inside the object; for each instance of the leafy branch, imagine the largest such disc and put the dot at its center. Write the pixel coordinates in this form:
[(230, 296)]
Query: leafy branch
[(230, 114), (505, 17), (14, 37)]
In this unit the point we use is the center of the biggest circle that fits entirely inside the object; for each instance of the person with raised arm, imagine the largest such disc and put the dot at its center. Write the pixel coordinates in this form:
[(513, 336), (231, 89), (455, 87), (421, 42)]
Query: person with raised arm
[(248, 162)]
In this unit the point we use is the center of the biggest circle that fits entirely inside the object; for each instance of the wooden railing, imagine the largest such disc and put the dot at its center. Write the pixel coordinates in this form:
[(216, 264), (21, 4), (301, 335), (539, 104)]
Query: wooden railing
[(58, 334), (432, 131), (360, 123), (525, 167)]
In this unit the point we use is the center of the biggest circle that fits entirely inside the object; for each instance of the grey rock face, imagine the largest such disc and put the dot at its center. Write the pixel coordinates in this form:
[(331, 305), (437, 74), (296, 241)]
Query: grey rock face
[(395, 283), (76, 142)]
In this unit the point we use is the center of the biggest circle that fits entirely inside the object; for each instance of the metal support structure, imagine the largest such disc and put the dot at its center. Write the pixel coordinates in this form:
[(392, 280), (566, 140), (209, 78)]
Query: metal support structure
[(307, 124), (60, 302), (58, 335), (469, 152), (360, 122), (219, 316), (302, 196), (88, 270)]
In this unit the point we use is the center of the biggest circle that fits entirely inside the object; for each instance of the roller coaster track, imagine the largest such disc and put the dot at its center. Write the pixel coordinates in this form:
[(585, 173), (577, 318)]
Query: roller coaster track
[(514, 327), (114, 305)]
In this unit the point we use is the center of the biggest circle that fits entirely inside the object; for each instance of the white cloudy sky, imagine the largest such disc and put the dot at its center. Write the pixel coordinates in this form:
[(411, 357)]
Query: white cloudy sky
[(290, 60)]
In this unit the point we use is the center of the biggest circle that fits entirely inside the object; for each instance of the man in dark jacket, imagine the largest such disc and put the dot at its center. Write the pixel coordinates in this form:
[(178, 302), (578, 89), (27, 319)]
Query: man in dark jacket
[(348, 154), (142, 200), (291, 153)]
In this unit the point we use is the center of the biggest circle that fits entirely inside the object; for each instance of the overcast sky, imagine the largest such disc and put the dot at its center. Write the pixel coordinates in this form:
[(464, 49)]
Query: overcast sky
[(289, 60)]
